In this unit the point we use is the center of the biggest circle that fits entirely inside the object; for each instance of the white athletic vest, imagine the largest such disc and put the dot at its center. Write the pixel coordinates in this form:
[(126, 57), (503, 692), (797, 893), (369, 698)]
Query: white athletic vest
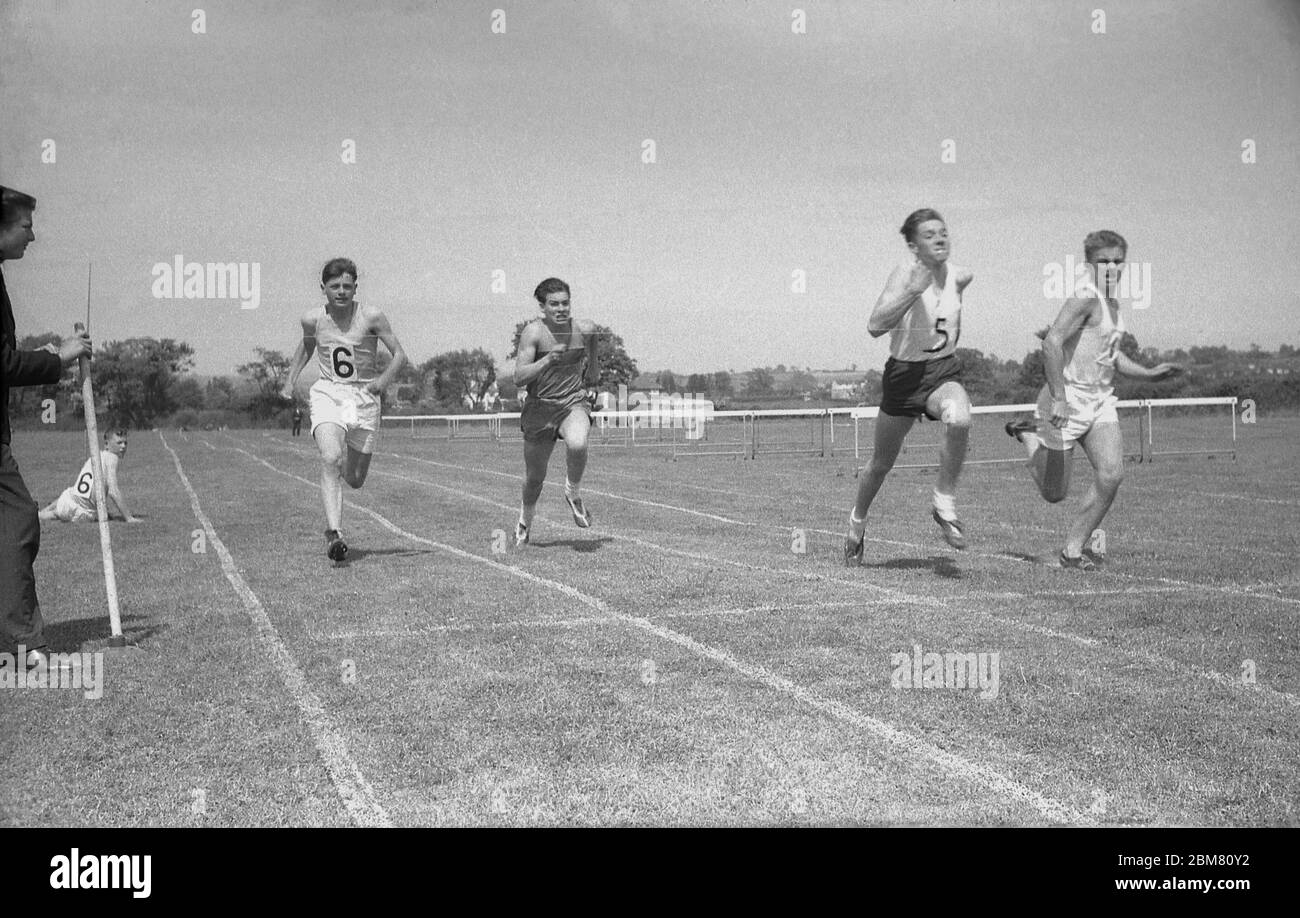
[(345, 356), (1090, 359), (83, 490), (930, 328)]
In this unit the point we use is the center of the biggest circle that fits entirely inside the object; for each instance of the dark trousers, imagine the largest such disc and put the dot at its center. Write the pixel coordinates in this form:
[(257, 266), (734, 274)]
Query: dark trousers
[(20, 540)]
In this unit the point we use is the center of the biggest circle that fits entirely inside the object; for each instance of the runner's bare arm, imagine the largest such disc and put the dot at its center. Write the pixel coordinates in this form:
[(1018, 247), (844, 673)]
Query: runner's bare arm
[(1126, 365), (114, 492), (1068, 322), (301, 354), (964, 277), (380, 326), (905, 284)]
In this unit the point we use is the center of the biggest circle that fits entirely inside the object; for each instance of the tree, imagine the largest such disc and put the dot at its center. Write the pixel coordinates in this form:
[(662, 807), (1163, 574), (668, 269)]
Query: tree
[(697, 383), (219, 394), (667, 382), (801, 381), (268, 373), (1208, 355), (1033, 371), (187, 393), (617, 368), (409, 383), (133, 379), (722, 386), (760, 382), (873, 386), (459, 380), (977, 372), (1128, 346)]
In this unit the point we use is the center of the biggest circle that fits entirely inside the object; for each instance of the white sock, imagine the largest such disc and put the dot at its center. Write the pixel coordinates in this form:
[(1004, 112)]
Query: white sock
[(1032, 443), (945, 505), (570, 489), (526, 514), (857, 525)]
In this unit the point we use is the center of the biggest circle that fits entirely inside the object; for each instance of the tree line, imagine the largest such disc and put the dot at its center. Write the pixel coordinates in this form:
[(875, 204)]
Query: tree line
[(147, 382)]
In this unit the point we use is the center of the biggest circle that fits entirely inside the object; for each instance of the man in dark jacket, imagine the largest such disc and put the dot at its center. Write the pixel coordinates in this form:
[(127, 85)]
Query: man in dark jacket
[(20, 531)]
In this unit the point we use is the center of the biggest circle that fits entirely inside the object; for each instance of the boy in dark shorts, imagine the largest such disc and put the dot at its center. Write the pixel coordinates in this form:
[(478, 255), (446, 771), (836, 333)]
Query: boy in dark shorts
[(557, 363), (921, 309)]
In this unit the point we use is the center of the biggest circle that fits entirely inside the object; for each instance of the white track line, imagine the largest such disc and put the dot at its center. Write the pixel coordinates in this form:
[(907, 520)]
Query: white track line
[(576, 622), (355, 791), (1048, 807), (871, 538), (1169, 581), (902, 597)]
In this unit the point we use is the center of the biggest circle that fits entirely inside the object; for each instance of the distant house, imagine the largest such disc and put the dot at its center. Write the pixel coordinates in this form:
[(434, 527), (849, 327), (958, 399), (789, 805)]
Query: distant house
[(843, 392)]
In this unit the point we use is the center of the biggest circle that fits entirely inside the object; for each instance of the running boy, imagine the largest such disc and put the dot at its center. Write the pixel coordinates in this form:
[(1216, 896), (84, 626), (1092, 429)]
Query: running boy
[(345, 401)]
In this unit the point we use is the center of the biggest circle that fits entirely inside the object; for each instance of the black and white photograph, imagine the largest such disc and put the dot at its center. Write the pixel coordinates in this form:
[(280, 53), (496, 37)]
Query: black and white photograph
[(651, 414)]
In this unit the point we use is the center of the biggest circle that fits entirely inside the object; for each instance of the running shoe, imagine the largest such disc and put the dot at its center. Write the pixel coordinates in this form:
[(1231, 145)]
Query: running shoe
[(521, 535), (1082, 563), (853, 544), (1016, 428), (1098, 560), (335, 547), (952, 531), (580, 514)]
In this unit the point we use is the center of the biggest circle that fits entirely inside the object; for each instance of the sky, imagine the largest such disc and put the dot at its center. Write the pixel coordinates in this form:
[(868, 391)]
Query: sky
[(500, 143)]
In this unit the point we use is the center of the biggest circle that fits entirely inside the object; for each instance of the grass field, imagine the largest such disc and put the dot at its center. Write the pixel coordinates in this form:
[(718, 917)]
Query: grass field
[(681, 663)]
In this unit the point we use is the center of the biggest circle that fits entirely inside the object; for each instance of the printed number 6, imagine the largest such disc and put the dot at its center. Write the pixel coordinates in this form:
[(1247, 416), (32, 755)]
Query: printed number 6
[(342, 368), (84, 483), (940, 330)]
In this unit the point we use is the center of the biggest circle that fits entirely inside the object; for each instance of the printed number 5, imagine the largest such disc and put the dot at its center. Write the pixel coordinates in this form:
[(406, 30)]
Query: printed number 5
[(940, 330)]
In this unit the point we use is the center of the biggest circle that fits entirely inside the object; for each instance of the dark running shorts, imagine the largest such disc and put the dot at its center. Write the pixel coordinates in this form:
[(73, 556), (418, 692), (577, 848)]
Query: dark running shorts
[(541, 417), (908, 384)]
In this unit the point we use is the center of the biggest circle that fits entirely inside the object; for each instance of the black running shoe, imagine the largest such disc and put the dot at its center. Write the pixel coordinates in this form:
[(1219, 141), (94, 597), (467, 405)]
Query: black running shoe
[(1082, 563), (335, 547), (1016, 428)]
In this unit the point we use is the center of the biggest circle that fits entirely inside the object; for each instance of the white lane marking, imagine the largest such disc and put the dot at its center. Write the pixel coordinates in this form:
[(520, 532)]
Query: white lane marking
[(358, 796)]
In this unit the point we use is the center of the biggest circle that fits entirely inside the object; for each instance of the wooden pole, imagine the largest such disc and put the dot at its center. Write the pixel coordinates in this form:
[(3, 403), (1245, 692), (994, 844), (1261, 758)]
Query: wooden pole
[(101, 499)]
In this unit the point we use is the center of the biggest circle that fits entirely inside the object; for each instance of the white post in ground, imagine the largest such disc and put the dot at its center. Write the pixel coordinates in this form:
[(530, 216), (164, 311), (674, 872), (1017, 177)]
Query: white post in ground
[(101, 500)]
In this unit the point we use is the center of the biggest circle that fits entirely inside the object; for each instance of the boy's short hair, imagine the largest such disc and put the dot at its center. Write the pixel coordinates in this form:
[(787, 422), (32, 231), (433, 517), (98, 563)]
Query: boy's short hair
[(118, 432), (14, 204), (337, 267), (549, 286), (1102, 239), (915, 219)]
